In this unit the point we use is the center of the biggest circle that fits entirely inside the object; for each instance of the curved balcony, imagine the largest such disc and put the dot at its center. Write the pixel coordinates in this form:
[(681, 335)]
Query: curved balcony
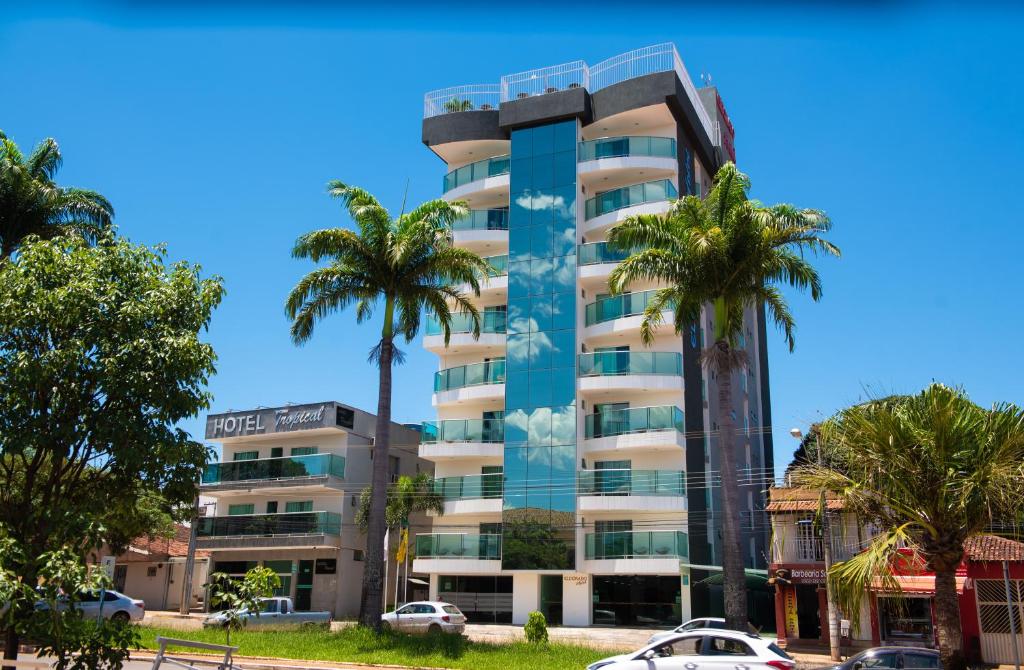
[(461, 552), (463, 438), (618, 314), (470, 383), (615, 371), (596, 261), (612, 207), (492, 333), (632, 490), (471, 494), (482, 229), (635, 428), (323, 471), (625, 159), (288, 529), (484, 175), (635, 552)]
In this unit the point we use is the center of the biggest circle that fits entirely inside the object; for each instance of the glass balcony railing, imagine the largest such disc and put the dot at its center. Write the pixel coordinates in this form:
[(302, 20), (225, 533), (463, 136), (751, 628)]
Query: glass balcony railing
[(614, 363), (617, 307), (627, 196), (599, 252), (634, 420), (499, 265), (288, 523), (483, 219), (470, 486), (633, 145), (464, 430), (637, 544), (489, 167), (490, 322), (458, 545), (267, 469), (475, 374), (631, 483)]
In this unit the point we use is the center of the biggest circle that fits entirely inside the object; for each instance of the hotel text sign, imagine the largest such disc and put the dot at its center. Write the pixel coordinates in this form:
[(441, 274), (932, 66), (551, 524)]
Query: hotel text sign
[(270, 421)]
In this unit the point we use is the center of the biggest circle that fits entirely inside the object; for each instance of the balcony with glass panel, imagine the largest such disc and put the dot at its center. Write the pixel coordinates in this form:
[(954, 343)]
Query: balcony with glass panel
[(492, 333), (476, 382), (319, 471), (482, 231), (471, 494), (288, 529), (462, 438), (613, 206), (620, 314), (623, 490), (612, 161), (619, 371), (483, 175), (643, 428), (464, 552), (636, 551)]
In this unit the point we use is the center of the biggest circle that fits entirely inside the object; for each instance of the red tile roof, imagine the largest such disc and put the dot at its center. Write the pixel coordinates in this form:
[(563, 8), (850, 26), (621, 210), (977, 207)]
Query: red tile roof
[(993, 548), (148, 550)]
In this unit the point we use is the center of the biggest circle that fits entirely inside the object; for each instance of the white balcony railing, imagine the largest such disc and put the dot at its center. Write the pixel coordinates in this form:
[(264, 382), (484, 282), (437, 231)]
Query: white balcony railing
[(461, 99), (544, 80)]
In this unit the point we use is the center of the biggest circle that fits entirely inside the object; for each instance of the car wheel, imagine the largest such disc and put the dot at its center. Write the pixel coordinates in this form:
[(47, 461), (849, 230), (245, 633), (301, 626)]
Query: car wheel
[(120, 617), (433, 629)]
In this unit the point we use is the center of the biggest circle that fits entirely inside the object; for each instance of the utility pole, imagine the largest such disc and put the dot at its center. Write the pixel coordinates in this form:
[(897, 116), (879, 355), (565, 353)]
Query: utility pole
[(1009, 610), (190, 562), (826, 547)]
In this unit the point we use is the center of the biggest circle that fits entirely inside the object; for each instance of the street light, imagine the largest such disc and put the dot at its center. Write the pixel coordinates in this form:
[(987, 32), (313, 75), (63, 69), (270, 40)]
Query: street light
[(826, 545)]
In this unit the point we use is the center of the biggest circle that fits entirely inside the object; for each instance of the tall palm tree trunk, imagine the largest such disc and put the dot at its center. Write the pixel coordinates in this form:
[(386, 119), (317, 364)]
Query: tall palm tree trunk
[(11, 642), (370, 607), (947, 619), (734, 577)]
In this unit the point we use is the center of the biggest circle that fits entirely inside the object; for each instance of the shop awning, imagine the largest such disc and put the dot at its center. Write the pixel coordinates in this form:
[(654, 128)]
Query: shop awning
[(915, 584)]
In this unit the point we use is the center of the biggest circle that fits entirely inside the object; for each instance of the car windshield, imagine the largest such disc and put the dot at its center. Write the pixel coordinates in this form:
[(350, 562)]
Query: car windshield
[(451, 609), (779, 651)]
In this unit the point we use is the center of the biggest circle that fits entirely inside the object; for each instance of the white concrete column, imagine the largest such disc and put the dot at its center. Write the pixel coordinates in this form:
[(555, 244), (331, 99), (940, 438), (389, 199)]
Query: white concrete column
[(684, 595), (435, 581), (525, 596), (576, 599)]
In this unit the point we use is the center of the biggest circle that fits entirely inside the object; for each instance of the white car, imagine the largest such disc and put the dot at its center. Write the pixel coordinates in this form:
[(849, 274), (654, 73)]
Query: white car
[(116, 606), (426, 617), (708, 649), (697, 624)]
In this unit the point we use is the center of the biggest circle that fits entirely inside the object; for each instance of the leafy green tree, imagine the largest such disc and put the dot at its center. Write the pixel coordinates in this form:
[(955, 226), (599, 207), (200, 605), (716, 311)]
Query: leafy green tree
[(100, 358), (401, 265), (408, 495), (731, 253), (31, 203), (239, 596), (930, 471), (50, 616)]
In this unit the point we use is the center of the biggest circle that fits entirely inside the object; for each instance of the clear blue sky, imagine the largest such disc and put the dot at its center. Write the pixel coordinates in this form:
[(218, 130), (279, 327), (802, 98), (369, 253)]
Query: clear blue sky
[(215, 130)]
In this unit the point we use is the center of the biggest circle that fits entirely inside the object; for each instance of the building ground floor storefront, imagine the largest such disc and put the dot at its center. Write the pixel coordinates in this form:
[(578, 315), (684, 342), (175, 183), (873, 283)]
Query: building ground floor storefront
[(570, 599)]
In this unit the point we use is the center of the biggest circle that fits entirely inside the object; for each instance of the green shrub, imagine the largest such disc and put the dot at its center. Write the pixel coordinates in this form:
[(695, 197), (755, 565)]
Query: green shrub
[(536, 628)]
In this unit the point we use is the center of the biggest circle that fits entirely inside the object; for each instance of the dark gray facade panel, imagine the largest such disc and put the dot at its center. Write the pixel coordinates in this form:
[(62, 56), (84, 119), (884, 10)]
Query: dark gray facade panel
[(766, 394), (462, 126), (569, 104)]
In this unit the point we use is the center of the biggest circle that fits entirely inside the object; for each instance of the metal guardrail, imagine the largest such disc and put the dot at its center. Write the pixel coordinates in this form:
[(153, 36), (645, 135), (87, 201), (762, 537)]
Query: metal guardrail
[(473, 97), (543, 80), (162, 657)]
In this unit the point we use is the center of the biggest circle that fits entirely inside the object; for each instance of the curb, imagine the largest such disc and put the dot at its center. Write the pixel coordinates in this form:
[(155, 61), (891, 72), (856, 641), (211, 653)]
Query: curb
[(252, 662)]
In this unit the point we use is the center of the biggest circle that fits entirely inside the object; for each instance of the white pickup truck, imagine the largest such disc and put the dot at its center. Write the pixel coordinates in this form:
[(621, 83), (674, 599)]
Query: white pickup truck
[(276, 612)]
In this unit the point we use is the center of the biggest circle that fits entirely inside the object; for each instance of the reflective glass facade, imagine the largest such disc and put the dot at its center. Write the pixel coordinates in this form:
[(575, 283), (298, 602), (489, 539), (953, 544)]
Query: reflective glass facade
[(540, 384)]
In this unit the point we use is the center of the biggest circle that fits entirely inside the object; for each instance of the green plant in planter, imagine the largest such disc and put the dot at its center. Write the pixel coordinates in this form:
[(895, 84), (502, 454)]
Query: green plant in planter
[(536, 628), (458, 105)]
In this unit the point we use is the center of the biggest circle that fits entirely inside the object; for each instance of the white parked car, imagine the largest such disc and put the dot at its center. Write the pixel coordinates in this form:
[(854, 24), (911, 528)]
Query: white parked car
[(426, 617), (707, 649), (697, 624), (115, 606)]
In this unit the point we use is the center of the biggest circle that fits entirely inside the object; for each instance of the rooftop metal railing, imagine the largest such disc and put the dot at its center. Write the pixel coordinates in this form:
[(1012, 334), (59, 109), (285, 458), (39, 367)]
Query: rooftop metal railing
[(461, 99), (543, 80)]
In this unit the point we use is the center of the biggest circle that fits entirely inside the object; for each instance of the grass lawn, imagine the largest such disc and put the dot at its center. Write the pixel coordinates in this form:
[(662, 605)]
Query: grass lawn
[(357, 645)]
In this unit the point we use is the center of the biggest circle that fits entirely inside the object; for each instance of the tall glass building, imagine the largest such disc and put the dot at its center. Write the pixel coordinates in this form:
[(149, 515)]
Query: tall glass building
[(578, 466)]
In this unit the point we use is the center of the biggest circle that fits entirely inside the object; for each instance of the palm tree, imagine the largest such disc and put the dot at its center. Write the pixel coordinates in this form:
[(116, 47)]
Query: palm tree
[(930, 471), (31, 203), (401, 264), (730, 252)]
